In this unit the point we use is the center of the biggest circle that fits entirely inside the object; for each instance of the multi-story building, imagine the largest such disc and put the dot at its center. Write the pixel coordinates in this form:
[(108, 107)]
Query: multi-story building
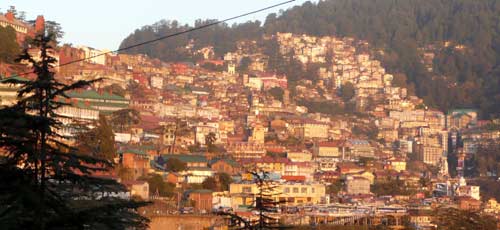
[(310, 129), (22, 29), (104, 102), (241, 150), (355, 185), (299, 156), (268, 164), (332, 149), (156, 82), (94, 56), (202, 199), (469, 191), (8, 91), (461, 118), (137, 160), (244, 194), (429, 154), (361, 148)]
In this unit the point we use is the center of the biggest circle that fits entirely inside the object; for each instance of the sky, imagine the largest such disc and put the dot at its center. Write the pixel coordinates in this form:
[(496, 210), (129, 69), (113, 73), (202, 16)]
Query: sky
[(103, 24)]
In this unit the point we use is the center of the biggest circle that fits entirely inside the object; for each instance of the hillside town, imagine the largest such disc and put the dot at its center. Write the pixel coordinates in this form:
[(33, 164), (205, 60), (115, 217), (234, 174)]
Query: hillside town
[(344, 145)]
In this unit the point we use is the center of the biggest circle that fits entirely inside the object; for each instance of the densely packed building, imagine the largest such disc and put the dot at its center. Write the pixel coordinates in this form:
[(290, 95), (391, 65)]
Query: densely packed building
[(230, 122)]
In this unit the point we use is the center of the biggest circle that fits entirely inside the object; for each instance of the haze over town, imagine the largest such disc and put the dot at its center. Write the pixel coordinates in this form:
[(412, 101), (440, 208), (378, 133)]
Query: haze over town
[(331, 114)]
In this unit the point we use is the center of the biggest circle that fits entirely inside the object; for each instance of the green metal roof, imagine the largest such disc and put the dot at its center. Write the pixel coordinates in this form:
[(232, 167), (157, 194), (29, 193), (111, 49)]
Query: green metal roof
[(15, 77), (186, 158), (230, 161), (91, 105), (92, 94), (147, 147), (134, 151)]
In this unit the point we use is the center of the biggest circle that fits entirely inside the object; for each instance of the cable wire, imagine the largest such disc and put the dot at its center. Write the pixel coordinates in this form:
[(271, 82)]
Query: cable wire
[(171, 35)]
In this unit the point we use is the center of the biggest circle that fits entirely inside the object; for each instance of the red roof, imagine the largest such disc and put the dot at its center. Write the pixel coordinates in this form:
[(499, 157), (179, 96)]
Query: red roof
[(265, 159), (337, 143), (293, 178)]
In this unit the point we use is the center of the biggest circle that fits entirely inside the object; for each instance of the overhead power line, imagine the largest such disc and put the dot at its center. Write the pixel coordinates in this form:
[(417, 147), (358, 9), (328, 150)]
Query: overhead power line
[(172, 35)]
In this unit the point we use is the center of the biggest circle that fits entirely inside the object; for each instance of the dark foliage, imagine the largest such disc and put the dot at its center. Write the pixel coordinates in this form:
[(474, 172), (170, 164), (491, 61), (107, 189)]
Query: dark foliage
[(123, 119), (175, 165), (210, 183), (9, 49), (115, 89), (326, 107), (460, 77), (486, 161), (158, 187), (47, 184), (264, 205), (98, 142), (277, 93), (222, 37), (449, 218), (391, 188), (347, 91)]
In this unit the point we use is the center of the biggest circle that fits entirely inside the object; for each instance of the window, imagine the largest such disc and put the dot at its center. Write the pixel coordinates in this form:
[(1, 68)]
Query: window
[(246, 189), (295, 190), (287, 190), (313, 190), (303, 190)]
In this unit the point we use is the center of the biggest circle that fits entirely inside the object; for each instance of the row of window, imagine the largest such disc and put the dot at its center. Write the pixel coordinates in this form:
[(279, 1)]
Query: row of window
[(16, 27), (286, 190), (296, 190)]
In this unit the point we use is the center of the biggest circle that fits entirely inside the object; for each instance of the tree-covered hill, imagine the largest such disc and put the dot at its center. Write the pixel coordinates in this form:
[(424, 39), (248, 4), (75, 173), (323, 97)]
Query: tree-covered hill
[(466, 77), (222, 37)]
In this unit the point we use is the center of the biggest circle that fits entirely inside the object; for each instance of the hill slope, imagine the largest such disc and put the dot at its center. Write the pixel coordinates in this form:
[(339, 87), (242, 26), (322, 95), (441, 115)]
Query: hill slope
[(468, 77)]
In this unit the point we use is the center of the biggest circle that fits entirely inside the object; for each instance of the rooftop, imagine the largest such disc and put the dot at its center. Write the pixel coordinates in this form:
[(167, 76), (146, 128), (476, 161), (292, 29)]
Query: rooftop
[(186, 158), (92, 94)]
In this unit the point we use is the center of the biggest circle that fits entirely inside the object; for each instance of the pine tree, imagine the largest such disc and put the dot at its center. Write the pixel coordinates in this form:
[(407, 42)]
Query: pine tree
[(47, 184), (124, 118), (265, 203), (99, 141)]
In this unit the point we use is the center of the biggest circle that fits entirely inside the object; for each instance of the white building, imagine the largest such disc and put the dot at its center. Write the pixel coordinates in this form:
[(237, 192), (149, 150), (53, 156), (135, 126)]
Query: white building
[(94, 56)]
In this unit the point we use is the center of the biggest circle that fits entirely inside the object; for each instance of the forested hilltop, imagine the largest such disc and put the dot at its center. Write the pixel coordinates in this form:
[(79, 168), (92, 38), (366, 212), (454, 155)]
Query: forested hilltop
[(463, 36)]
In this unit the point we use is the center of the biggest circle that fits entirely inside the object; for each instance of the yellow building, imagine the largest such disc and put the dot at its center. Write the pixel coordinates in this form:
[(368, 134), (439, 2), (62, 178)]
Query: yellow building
[(8, 91), (258, 134), (299, 156), (398, 164), (330, 149), (365, 174), (266, 163), (492, 206), (243, 194), (311, 129)]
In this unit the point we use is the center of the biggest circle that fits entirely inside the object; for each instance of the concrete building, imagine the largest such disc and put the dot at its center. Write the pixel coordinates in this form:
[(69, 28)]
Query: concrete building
[(243, 194), (138, 188), (331, 149), (357, 185), (94, 56), (202, 200), (429, 154), (299, 156), (361, 148), (23, 29), (8, 91), (104, 102)]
